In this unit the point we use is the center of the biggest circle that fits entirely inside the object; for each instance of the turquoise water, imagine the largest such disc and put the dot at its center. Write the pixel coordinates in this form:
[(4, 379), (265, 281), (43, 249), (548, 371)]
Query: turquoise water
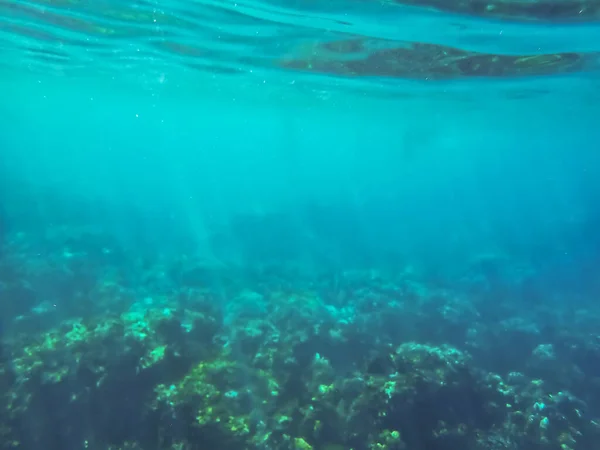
[(466, 128), (299, 225), (153, 43)]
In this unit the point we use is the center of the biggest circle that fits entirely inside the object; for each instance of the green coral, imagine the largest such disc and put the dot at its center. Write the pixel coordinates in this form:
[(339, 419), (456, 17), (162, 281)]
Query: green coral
[(388, 440), (301, 444)]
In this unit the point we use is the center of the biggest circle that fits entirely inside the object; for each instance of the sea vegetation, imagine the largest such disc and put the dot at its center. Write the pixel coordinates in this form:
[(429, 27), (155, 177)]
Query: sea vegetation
[(354, 360)]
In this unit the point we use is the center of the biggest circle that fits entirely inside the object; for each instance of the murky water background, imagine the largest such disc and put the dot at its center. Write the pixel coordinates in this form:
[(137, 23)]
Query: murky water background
[(196, 111)]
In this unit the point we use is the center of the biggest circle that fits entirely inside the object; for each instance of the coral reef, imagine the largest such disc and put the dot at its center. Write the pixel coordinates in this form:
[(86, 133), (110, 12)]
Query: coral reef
[(353, 360)]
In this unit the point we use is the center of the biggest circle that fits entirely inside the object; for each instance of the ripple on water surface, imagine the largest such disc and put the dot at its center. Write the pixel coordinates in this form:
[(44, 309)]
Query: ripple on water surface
[(347, 43)]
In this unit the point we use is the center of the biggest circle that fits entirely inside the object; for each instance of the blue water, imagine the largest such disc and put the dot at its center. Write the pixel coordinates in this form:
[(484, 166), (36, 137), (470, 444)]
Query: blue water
[(338, 178), (446, 173)]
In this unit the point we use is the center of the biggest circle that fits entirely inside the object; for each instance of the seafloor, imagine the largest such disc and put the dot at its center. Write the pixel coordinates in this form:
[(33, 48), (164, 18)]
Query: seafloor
[(109, 349)]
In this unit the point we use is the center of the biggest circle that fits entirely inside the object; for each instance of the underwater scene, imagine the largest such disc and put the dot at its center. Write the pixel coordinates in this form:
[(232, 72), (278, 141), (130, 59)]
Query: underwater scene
[(300, 225)]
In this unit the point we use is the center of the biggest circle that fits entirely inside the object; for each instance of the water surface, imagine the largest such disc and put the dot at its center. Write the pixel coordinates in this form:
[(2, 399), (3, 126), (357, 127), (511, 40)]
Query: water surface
[(376, 47)]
